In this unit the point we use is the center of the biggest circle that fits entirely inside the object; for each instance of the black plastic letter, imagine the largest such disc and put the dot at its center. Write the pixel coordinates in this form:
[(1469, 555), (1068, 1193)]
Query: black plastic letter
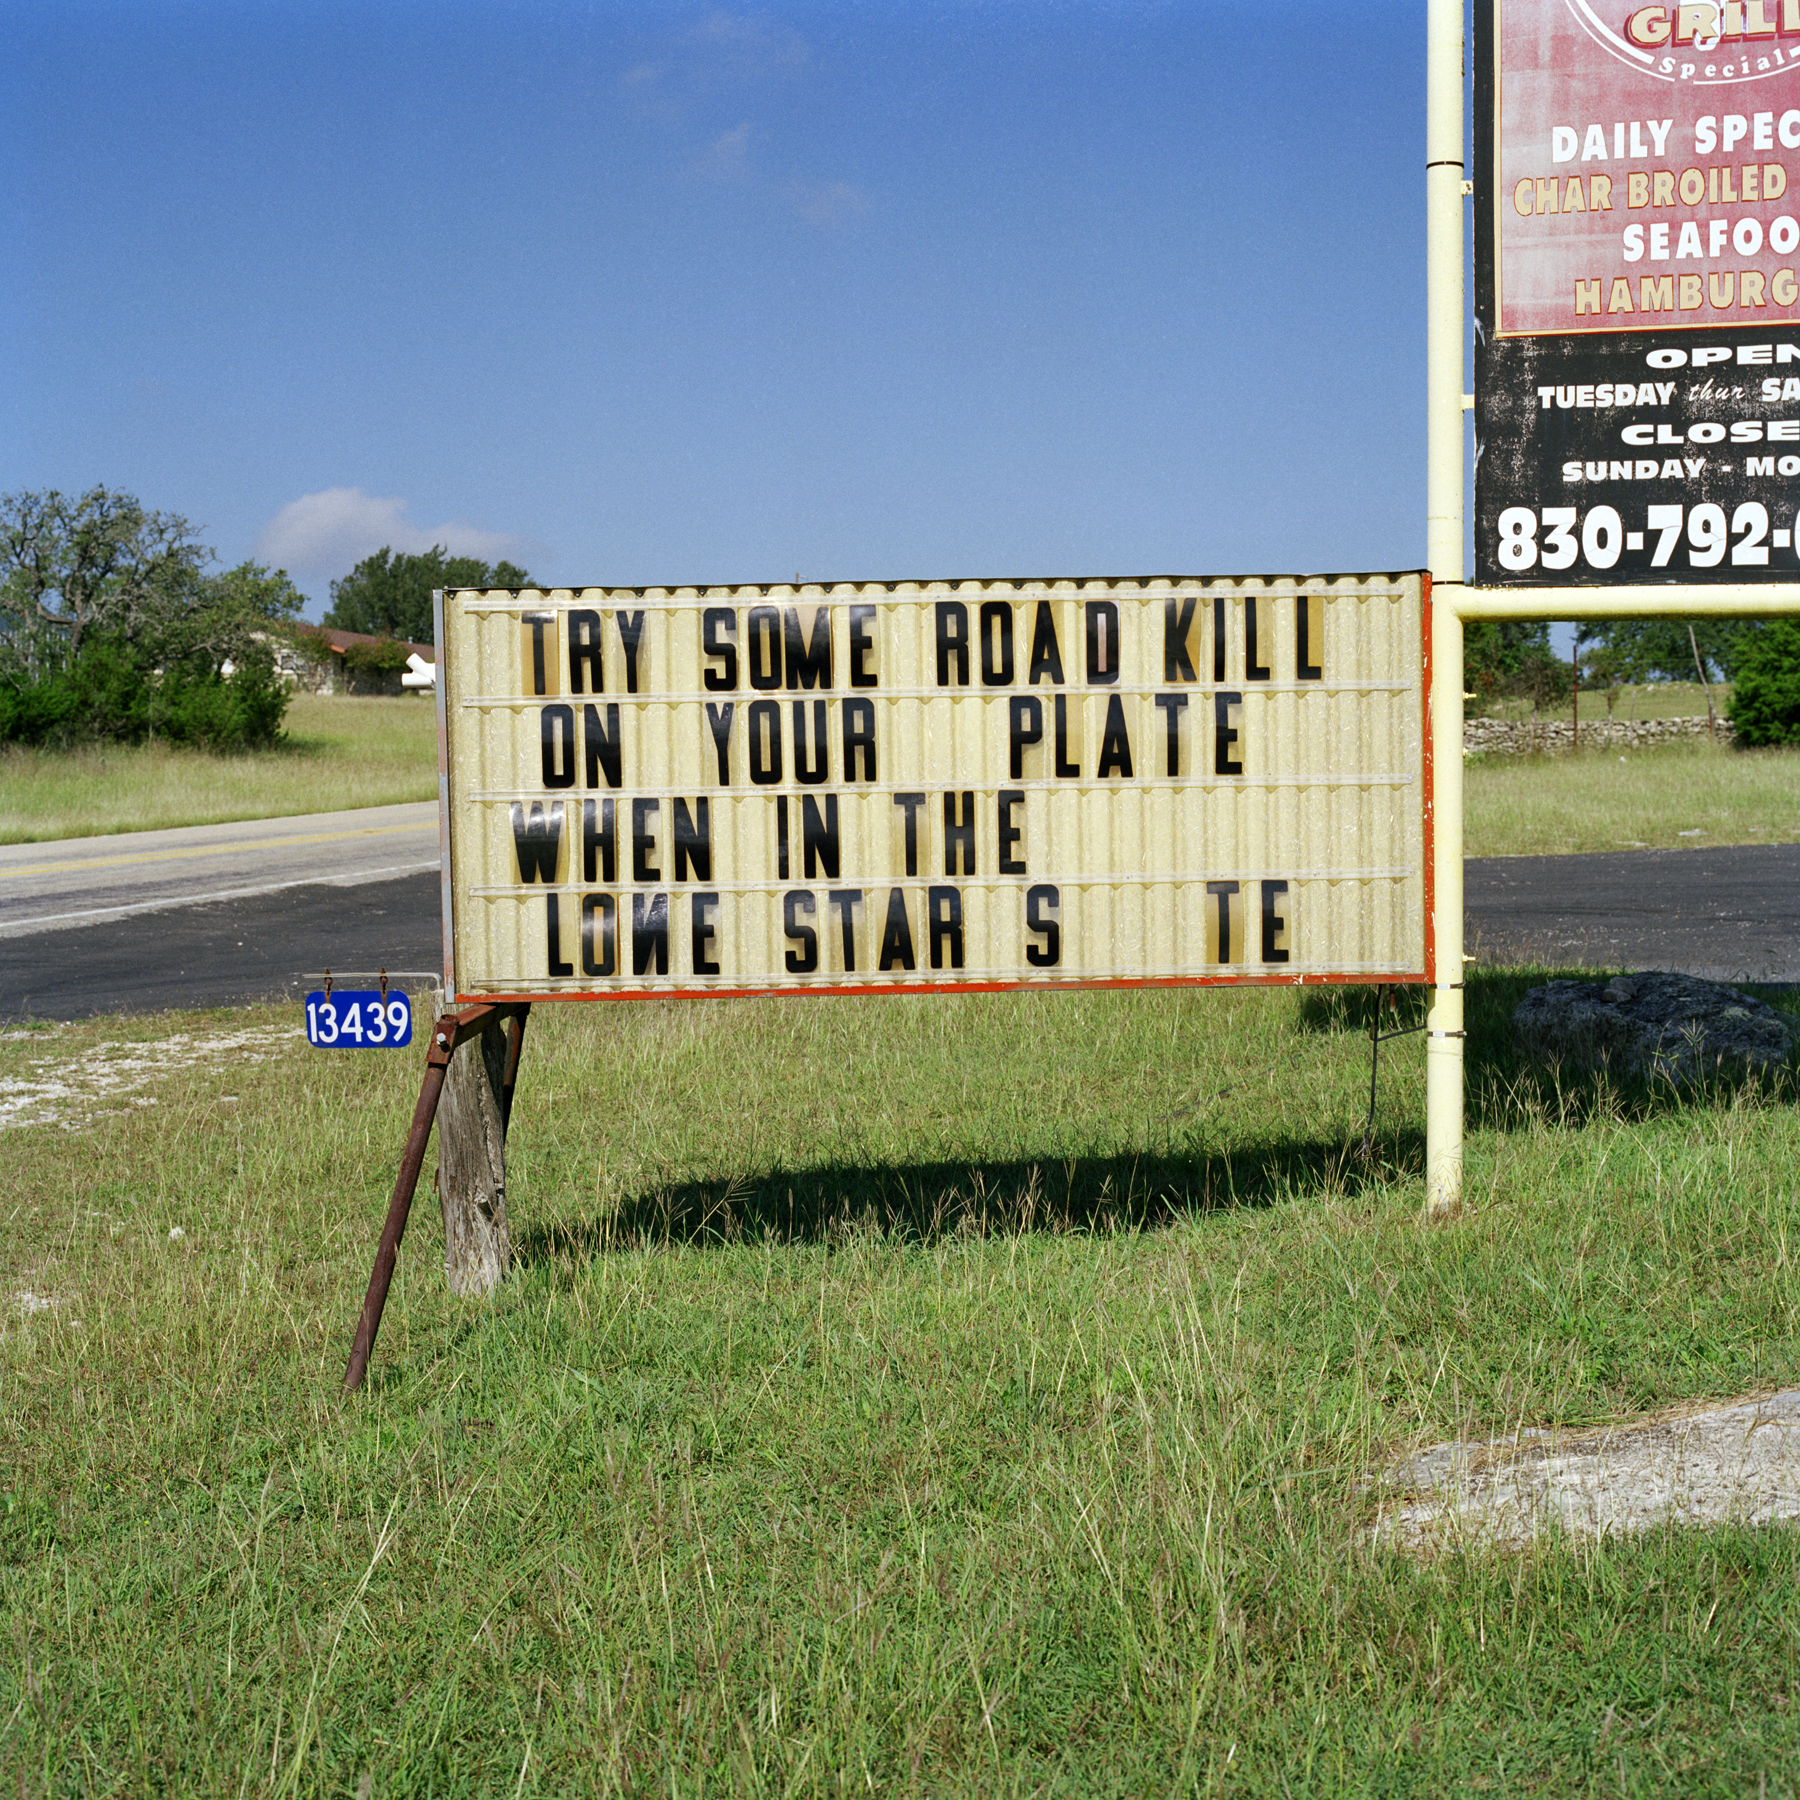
[(861, 676), (1274, 924), (952, 642), (602, 744), (584, 652), (649, 932), (553, 931), (806, 959), (537, 841), (1174, 705), (605, 839), (1225, 734), (631, 635), (718, 627), (1039, 901), (1177, 665), (557, 735), (599, 918), (1009, 832), (643, 839), (1024, 725)]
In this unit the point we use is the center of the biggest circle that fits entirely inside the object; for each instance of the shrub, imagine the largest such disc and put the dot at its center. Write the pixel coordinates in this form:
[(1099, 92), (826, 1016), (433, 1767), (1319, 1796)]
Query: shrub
[(101, 694), (105, 694), (213, 712), (386, 656), (1765, 696)]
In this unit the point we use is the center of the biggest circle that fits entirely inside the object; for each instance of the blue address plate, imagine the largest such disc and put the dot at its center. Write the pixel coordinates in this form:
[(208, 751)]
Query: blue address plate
[(358, 1019)]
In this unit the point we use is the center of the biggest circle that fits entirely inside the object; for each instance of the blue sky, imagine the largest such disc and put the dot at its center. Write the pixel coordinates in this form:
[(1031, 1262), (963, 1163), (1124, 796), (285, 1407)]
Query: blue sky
[(677, 293)]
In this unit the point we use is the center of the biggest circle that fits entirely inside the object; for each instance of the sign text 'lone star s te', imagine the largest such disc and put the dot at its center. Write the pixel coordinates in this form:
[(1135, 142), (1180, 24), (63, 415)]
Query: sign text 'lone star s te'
[(903, 786)]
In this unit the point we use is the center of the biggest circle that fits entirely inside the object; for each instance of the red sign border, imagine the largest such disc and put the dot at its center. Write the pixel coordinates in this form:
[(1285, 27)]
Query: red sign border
[(1410, 978)]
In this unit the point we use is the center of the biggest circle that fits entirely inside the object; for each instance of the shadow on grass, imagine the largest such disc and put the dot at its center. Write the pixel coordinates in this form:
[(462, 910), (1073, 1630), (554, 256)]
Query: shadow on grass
[(931, 1201), (928, 1202), (1505, 1093)]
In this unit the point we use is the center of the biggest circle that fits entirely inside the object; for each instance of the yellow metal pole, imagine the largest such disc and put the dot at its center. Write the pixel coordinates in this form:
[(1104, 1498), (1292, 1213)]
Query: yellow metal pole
[(1446, 338), (1691, 600)]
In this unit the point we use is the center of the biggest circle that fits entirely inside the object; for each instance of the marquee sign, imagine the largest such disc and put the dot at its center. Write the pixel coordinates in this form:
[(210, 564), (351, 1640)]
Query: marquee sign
[(1637, 264), (902, 786)]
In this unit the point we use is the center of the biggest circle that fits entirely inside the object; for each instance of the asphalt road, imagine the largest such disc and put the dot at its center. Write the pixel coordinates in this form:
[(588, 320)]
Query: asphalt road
[(78, 882), (1728, 914), (225, 915), (216, 915)]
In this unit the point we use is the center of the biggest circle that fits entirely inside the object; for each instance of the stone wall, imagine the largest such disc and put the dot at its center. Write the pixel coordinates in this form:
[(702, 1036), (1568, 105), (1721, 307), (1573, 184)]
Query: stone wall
[(1528, 737)]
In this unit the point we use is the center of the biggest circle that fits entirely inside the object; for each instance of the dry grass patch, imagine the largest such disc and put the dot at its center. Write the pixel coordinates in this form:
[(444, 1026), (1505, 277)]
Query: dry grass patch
[(339, 752), (1691, 794)]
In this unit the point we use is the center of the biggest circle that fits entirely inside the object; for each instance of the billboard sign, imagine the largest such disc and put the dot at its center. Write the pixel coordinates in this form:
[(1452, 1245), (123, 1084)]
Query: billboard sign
[(899, 786), (1637, 261)]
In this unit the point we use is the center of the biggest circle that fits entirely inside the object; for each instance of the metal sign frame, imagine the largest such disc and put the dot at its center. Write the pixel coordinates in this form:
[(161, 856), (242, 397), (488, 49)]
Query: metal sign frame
[(1448, 404), (469, 1015)]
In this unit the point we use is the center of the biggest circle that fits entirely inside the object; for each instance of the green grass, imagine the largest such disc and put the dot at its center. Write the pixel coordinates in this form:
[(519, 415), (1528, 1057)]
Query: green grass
[(1678, 795), (907, 1397), (339, 752), (1649, 700)]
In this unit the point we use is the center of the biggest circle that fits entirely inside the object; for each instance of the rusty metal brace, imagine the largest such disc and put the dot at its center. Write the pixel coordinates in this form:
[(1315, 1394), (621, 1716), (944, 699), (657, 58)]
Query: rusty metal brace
[(452, 1030)]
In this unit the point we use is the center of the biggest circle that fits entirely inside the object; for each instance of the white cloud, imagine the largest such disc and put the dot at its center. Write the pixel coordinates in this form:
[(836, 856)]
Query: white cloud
[(723, 52), (747, 48), (328, 533), (724, 60)]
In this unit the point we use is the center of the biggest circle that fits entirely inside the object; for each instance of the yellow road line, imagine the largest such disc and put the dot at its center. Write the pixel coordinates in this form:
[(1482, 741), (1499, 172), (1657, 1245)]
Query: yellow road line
[(150, 856)]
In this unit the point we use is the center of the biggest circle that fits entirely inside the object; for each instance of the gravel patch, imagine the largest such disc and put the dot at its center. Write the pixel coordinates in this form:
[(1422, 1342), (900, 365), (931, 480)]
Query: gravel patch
[(1733, 1463), (71, 1090)]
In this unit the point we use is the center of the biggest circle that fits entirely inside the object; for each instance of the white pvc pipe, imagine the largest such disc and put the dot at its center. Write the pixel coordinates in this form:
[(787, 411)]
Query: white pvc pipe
[(1693, 600), (1446, 315)]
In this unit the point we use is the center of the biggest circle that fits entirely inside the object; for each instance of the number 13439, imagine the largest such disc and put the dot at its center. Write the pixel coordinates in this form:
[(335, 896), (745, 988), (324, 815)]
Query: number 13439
[(354, 1019)]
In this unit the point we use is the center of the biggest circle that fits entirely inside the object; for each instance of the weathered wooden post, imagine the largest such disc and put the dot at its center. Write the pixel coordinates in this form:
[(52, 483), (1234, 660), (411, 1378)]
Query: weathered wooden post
[(451, 1030), (472, 1119)]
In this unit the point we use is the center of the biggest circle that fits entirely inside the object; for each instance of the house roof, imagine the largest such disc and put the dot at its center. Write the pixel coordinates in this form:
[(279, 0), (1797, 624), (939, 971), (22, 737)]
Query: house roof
[(339, 641)]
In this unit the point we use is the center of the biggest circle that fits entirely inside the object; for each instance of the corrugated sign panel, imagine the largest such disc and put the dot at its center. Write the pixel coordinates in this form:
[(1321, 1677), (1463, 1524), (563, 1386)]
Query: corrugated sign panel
[(904, 785)]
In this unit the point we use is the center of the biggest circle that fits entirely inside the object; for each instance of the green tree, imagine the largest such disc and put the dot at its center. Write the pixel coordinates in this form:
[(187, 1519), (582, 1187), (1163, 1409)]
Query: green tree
[(1765, 694), (1601, 667), (389, 594), (112, 626), (386, 656), (98, 564), (231, 619), (1660, 649), (1509, 658)]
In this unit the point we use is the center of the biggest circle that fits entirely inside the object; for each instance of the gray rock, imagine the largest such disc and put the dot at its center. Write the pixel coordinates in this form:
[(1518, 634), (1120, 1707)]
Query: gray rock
[(1651, 1026)]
